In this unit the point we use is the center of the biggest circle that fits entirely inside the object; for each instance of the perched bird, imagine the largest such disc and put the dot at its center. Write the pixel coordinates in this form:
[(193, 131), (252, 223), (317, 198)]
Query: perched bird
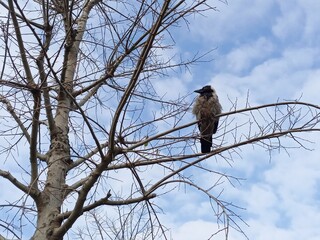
[(205, 109)]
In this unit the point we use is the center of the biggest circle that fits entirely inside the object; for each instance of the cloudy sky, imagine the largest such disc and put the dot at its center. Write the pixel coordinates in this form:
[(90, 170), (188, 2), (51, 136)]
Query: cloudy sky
[(269, 49)]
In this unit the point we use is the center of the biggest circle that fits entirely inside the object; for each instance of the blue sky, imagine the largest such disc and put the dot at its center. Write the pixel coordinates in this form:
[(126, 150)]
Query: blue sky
[(271, 50)]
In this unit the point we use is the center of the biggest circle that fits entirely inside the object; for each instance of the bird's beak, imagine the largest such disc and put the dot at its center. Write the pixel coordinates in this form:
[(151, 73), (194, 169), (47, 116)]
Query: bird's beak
[(198, 91)]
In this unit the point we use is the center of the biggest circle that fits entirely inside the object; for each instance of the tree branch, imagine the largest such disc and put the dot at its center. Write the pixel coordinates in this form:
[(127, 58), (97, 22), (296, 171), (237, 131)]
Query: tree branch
[(31, 191), (223, 149), (21, 45), (136, 74), (106, 201), (15, 117), (37, 25), (34, 139)]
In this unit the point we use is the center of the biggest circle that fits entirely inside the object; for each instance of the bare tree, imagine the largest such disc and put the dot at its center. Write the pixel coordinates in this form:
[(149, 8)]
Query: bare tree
[(86, 131)]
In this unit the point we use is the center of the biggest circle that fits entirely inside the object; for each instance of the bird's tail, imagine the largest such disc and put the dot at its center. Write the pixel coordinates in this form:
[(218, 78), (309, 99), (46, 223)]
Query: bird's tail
[(206, 144)]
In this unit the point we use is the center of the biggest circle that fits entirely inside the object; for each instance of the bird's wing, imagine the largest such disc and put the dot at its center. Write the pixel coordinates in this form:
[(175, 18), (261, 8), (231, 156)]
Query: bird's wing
[(215, 125), (199, 125)]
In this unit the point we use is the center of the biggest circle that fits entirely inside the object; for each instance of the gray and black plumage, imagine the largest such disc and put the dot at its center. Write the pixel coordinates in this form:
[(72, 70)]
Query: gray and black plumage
[(206, 108)]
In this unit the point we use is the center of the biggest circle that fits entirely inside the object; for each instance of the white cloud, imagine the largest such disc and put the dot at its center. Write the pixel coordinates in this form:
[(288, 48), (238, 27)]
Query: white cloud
[(311, 33), (197, 229), (311, 86), (170, 88), (285, 77), (242, 57), (289, 25), (233, 21)]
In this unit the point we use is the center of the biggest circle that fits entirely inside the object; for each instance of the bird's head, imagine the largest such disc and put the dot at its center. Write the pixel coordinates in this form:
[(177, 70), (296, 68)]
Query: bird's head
[(206, 90)]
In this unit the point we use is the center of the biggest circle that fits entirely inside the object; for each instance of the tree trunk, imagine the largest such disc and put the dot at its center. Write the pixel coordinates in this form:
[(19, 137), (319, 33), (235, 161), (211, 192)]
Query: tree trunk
[(51, 198)]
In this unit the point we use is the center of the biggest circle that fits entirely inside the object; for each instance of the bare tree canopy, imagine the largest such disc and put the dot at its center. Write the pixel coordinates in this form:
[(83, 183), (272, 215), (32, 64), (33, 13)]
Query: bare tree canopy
[(89, 136)]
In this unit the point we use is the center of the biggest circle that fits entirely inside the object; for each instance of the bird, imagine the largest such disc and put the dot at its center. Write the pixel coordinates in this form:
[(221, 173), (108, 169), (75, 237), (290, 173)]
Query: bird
[(206, 108)]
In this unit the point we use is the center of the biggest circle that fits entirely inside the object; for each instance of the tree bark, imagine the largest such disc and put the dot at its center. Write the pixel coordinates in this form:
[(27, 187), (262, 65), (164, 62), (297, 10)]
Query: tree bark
[(58, 158)]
